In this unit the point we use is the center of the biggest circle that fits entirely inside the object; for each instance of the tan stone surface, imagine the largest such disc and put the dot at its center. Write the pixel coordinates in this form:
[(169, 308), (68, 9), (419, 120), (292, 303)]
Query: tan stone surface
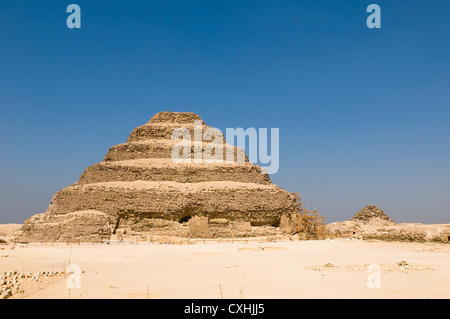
[(139, 188), (373, 215), (199, 227), (372, 223)]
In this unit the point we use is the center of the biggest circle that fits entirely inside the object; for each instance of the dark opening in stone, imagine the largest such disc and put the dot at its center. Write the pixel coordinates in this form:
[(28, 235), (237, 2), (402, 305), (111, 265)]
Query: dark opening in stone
[(184, 219)]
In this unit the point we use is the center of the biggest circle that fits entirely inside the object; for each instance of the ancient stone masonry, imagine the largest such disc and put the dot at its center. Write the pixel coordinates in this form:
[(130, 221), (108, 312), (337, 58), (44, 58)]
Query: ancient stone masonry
[(370, 214), (372, 223), (139, 189)]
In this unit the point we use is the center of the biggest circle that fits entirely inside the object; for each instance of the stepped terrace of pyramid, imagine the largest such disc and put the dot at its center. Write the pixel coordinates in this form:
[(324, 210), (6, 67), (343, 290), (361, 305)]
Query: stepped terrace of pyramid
[(139, 190)]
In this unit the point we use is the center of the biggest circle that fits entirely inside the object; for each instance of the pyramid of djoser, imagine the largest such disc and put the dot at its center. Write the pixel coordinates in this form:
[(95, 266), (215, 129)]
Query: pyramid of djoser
[(139, 190)]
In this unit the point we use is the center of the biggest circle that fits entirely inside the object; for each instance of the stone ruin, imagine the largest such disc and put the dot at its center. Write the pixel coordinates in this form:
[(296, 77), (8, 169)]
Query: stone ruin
[(371, 223), (371, 214), (139, 190), (370, 217)]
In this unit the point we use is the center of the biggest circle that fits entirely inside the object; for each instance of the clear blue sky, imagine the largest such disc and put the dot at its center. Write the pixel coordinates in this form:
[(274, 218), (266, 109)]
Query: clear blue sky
[(363, 113)]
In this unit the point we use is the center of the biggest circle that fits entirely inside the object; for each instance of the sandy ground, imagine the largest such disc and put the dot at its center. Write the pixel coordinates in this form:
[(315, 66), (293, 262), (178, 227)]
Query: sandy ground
[(6, 229), (298, 269)]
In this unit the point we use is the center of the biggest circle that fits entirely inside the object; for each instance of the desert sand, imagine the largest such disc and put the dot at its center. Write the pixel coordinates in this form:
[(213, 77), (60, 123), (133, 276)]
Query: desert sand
[(255, 269), (6, 229)]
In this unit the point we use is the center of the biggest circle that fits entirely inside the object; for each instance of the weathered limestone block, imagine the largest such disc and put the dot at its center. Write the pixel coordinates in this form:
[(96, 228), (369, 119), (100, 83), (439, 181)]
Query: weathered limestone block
[(163, 170), (173, 201), (199, 227), (70, 227), (144, 149), (242, 226), (287, 224)]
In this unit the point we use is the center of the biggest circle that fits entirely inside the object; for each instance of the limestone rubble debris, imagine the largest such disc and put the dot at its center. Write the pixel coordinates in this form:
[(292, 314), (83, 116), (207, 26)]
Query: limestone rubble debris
[(11, 282)]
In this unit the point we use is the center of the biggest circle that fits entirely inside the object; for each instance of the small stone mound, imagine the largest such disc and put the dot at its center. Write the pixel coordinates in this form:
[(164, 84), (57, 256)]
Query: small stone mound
[(372, 214)]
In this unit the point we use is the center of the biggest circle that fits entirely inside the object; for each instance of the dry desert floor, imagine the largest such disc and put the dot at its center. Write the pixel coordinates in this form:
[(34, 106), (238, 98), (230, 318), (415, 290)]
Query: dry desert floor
[(288, 269)]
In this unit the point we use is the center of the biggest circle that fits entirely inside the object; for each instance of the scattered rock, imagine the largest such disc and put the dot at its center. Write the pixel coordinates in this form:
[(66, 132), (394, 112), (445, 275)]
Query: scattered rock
[(10, 282)]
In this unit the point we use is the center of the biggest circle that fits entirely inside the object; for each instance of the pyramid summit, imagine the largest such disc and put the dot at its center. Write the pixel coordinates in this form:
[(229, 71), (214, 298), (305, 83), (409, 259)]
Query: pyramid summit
[(138, 189)]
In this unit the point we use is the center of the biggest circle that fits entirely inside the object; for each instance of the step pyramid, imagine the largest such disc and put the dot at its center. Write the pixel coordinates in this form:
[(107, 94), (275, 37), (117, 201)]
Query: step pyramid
[(138, 188), (371, 214)]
